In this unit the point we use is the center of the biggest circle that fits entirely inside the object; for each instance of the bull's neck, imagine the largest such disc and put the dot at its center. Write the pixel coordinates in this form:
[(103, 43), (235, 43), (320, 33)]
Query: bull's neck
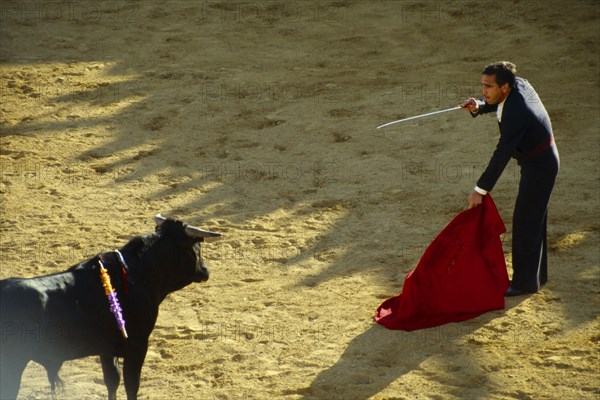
[(143, 280), (156, 281)]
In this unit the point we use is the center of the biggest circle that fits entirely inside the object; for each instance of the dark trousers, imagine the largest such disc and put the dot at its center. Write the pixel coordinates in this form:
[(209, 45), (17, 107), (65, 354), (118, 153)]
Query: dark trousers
[(529, 241)]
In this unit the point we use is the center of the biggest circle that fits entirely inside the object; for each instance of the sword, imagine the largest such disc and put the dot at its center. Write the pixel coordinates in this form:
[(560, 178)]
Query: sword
[(419, 116)]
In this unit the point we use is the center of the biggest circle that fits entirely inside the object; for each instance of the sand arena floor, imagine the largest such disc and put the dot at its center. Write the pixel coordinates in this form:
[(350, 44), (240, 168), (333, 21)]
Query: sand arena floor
[(256, 119)]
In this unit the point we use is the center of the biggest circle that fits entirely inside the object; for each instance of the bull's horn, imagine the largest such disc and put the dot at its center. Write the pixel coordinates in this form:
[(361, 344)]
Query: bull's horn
[(197, 232), (159, 219)]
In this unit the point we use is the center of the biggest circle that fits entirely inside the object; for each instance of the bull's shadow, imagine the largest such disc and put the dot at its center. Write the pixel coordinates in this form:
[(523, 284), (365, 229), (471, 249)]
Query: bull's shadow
[(378, 357)]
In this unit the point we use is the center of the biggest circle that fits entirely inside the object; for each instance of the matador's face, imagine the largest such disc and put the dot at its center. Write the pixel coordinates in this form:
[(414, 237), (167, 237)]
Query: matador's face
[(492, 93)]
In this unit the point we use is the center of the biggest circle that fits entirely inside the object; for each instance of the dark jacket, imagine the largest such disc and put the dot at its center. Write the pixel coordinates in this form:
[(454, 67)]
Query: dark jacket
[(525, 130)]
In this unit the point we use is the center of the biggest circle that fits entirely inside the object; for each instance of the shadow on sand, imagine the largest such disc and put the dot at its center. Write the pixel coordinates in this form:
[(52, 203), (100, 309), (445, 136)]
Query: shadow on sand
[(378, 357)]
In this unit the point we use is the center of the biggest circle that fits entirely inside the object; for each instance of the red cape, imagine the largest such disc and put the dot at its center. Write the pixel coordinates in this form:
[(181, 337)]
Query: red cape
[(461, 275)]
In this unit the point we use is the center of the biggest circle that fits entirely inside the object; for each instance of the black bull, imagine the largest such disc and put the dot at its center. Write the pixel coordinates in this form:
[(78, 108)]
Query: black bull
[(65, 316)]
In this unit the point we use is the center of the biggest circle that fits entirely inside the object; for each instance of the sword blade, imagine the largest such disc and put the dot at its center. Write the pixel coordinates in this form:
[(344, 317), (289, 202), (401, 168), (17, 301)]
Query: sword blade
[(419, 116)]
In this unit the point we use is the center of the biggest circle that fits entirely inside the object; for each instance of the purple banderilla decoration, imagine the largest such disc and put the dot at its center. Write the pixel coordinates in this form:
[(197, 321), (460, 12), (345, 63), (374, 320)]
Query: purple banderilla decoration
[(111, 294)]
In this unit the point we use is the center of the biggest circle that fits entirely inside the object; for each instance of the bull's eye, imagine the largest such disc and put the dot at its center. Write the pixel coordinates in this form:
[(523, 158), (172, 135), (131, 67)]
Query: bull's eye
[(194, 252), (197, 249)]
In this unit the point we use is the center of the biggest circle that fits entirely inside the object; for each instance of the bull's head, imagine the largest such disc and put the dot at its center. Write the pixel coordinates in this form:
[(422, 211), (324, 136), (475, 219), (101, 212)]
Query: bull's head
[(191, 231), (178, 258)]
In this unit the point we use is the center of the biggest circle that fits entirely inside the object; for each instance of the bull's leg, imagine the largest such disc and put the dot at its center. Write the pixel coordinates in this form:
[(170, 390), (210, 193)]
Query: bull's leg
[(112, 374), (10, 377), (132, 369), (52, 368)]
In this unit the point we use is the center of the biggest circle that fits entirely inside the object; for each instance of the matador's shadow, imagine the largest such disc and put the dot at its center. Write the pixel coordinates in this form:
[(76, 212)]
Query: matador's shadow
[(377, 357)]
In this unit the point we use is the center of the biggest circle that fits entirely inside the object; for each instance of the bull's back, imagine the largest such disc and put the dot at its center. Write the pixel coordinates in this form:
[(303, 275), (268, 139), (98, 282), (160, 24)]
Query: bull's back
[(21, 306), (19, 300), (59, 316)]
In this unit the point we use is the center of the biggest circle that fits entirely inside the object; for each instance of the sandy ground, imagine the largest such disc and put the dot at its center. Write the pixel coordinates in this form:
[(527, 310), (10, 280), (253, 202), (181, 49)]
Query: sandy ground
[(257, 119)]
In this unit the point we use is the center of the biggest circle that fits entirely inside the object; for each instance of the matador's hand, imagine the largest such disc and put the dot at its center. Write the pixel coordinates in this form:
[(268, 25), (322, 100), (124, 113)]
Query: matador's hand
[(470, 104), (474, 199)]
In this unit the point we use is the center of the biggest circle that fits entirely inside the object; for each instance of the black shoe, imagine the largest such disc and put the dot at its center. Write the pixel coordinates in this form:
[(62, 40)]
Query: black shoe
[(515, 292)]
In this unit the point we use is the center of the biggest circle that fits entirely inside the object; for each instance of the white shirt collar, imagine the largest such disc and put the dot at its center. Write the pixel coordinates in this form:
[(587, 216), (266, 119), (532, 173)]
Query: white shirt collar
[(499, 110)]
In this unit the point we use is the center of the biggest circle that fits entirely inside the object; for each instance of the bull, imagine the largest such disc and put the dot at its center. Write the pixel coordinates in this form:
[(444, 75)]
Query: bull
[(67, 315)]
